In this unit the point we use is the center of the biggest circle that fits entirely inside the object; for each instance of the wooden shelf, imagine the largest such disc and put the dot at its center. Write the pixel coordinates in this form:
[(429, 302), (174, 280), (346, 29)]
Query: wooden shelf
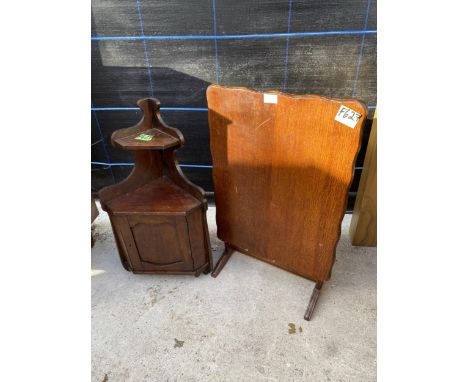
[(160, 140), (159, 196), (158, 216)]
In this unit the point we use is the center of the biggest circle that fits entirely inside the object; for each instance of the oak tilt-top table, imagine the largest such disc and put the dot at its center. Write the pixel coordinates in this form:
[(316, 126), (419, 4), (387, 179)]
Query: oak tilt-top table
[(282, 168)]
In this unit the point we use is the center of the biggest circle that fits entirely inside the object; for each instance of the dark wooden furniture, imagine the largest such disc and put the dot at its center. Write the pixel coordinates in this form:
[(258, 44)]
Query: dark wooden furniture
[(157, 215), (282, 168), (94, 215)]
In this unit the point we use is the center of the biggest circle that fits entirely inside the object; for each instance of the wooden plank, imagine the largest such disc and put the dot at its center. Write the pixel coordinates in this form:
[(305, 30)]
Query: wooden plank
[(363, 228)]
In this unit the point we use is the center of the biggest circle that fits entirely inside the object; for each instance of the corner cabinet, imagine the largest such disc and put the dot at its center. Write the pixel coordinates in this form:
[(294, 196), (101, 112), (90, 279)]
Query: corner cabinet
[(158, 216)]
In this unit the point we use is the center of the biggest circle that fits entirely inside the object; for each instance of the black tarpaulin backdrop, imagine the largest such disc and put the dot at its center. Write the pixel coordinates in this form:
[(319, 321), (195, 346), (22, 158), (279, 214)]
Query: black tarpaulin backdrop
[(172, 50)]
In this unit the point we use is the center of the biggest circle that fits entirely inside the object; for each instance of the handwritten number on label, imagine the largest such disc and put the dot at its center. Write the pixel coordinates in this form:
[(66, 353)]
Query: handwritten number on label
[(350, 114)]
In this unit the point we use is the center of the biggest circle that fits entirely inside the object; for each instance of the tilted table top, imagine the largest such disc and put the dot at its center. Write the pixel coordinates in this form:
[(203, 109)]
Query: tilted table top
[(282, 168)]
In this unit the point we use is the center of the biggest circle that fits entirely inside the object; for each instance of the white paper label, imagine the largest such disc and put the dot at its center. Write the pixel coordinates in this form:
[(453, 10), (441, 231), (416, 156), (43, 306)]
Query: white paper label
[(270, 98), (348, 116)]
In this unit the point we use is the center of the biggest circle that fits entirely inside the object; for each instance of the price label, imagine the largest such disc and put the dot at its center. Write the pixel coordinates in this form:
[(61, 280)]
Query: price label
[(144, 137), (348, 116), (270, 98)]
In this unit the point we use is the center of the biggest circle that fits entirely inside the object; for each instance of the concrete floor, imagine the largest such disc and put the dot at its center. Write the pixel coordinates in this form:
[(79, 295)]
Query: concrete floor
[(246, 325)]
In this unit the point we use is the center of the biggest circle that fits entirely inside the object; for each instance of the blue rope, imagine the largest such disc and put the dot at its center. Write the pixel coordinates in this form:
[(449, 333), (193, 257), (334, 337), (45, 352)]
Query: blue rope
[(132, 164), (287, 47), (358, 66), (240, 36), (215, 40), (165, 108), (137, 108), (148, 64), (101, 135)]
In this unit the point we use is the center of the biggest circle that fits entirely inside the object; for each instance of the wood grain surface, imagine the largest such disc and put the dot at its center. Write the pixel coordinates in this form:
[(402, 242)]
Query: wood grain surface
[(160, 140), (363, 227), (160, 196), (281, 174)]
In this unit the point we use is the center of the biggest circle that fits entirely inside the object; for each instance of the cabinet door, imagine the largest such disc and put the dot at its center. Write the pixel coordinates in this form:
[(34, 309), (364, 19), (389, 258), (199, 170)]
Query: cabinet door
[(159, 243)]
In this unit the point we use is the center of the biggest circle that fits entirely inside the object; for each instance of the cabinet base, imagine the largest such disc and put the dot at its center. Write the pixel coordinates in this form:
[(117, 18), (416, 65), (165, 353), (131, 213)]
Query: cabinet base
[(205, 268)]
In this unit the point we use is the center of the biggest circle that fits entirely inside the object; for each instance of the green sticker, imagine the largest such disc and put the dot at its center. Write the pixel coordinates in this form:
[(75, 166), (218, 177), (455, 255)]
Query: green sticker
[(144, 137)]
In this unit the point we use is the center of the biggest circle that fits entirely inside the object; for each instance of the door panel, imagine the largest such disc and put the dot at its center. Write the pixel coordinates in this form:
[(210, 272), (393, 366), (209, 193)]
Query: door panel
[(162, 242)]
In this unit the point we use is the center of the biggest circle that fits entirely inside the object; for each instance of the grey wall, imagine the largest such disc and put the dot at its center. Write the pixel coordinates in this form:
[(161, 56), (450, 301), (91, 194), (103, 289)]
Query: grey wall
[(173, 50)]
